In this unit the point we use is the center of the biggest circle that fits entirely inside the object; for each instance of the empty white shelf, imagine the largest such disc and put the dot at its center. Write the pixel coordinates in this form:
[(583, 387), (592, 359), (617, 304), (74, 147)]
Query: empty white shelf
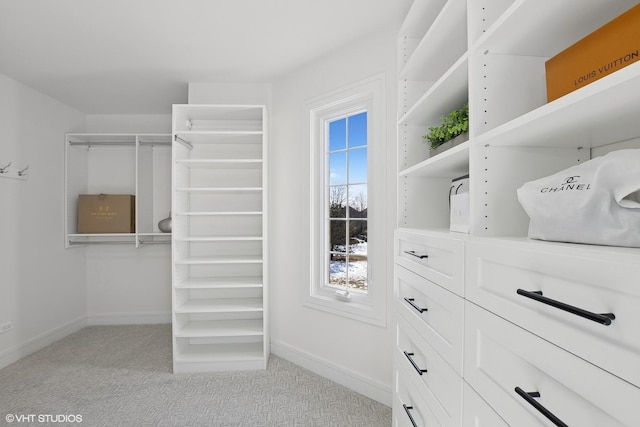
[(221, 163), (220, 283), (222, 259), (221, 353), (219, 189), (221, 305), (221, 328), (220, 239), (234, 213)]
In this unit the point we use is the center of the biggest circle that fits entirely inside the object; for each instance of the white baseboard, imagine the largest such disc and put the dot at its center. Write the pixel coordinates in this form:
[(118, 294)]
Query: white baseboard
[(16, 353), (371, 388), (144, 318)]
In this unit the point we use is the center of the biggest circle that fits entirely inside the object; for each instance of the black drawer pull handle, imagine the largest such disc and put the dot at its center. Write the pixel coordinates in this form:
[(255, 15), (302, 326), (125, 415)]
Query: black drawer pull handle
[(413, 253), (529, 397), (411, 302), (414, 364), (407, 409), (603, 318)]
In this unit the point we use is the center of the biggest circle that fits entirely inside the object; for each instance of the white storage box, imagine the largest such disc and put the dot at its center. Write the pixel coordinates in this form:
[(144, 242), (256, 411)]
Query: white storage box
[(459, 205)]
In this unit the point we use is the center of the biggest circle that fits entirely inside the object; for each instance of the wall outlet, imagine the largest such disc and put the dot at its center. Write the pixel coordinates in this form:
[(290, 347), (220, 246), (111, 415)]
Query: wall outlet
[(6, 327)]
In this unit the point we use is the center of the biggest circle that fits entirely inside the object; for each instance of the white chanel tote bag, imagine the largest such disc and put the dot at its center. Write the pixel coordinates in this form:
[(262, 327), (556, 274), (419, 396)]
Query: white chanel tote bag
[(596, 202)]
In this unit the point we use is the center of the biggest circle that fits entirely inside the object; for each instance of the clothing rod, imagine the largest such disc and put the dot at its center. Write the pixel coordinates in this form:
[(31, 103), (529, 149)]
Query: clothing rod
[(105, 242), (126, 143), (154, 142), (149, 242), (183, 142)]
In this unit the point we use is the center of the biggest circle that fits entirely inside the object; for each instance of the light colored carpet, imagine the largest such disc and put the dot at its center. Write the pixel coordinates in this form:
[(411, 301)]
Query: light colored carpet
[(121, 376)]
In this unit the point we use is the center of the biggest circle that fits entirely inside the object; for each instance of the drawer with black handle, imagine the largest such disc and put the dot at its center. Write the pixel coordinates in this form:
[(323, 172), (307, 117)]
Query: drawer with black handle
[(441, 385), (438, 257), (585, 301), (531, 382), (409, 406), (436, 313)]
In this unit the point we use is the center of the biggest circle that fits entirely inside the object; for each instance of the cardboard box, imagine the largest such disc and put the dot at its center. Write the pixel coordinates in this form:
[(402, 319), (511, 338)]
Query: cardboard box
[(606, 50), (106, 213)]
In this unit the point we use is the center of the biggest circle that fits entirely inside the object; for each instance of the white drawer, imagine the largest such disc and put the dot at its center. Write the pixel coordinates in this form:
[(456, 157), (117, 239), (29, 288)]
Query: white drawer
[(437, 314), (441, 385), (477, 413), (434, 256), (501, 356), (495, 273), (409, 406)]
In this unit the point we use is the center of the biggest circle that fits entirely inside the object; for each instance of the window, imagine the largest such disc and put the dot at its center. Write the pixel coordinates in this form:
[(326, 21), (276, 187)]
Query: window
[(346, 130), (346, 204)]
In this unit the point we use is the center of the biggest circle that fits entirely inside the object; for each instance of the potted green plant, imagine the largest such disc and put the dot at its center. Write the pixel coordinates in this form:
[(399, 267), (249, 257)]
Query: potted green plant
[(454, 125)]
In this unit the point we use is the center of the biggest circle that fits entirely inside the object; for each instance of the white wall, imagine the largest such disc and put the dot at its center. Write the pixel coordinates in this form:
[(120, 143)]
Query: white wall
[(42, 285), (230, 93), (126, 285), (129, 123), (351, 352)]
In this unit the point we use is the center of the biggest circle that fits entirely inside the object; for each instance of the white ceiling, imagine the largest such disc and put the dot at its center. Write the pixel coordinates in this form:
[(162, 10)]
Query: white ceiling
[(137, 56)]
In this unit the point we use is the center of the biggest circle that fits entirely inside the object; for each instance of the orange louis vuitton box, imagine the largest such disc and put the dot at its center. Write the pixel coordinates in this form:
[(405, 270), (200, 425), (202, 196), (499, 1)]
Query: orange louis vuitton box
[(106, 213), (608, 49)]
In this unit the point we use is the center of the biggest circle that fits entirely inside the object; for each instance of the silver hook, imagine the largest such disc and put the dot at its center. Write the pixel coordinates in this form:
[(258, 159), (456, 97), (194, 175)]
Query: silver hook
[(21, 172), (2, 170)]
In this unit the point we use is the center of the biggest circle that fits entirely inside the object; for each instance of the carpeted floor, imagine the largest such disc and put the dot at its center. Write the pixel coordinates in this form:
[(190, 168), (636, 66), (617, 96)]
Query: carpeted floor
[(121, 376)]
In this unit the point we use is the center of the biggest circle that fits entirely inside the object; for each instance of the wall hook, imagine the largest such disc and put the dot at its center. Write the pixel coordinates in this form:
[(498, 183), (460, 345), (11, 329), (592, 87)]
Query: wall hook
[(3, 170), (21, 172)]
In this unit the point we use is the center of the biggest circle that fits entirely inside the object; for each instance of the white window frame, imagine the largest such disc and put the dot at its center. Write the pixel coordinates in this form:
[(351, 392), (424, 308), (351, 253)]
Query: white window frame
[(366, 96)]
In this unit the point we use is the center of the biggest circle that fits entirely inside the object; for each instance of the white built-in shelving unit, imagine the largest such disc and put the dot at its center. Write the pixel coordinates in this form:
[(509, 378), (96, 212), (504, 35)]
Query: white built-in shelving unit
[(455, 294), (219, 238), (492, 54), (122, 163)]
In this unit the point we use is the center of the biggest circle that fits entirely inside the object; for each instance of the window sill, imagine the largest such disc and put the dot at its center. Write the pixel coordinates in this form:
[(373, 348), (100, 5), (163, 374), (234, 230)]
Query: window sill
[(353, 308)]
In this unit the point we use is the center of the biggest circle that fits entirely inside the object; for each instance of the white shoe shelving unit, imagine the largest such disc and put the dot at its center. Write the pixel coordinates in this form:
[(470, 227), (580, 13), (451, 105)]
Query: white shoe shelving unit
[(219, 238)]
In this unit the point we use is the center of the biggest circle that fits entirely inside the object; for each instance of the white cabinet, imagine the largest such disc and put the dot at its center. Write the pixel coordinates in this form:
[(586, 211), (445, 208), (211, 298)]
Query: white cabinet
[(410, 406), (219, 238), (440, 384), (530, 381), (133, 164), (491, 54), (434, 312), (428, 286), (584, 300), (434, 256)]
